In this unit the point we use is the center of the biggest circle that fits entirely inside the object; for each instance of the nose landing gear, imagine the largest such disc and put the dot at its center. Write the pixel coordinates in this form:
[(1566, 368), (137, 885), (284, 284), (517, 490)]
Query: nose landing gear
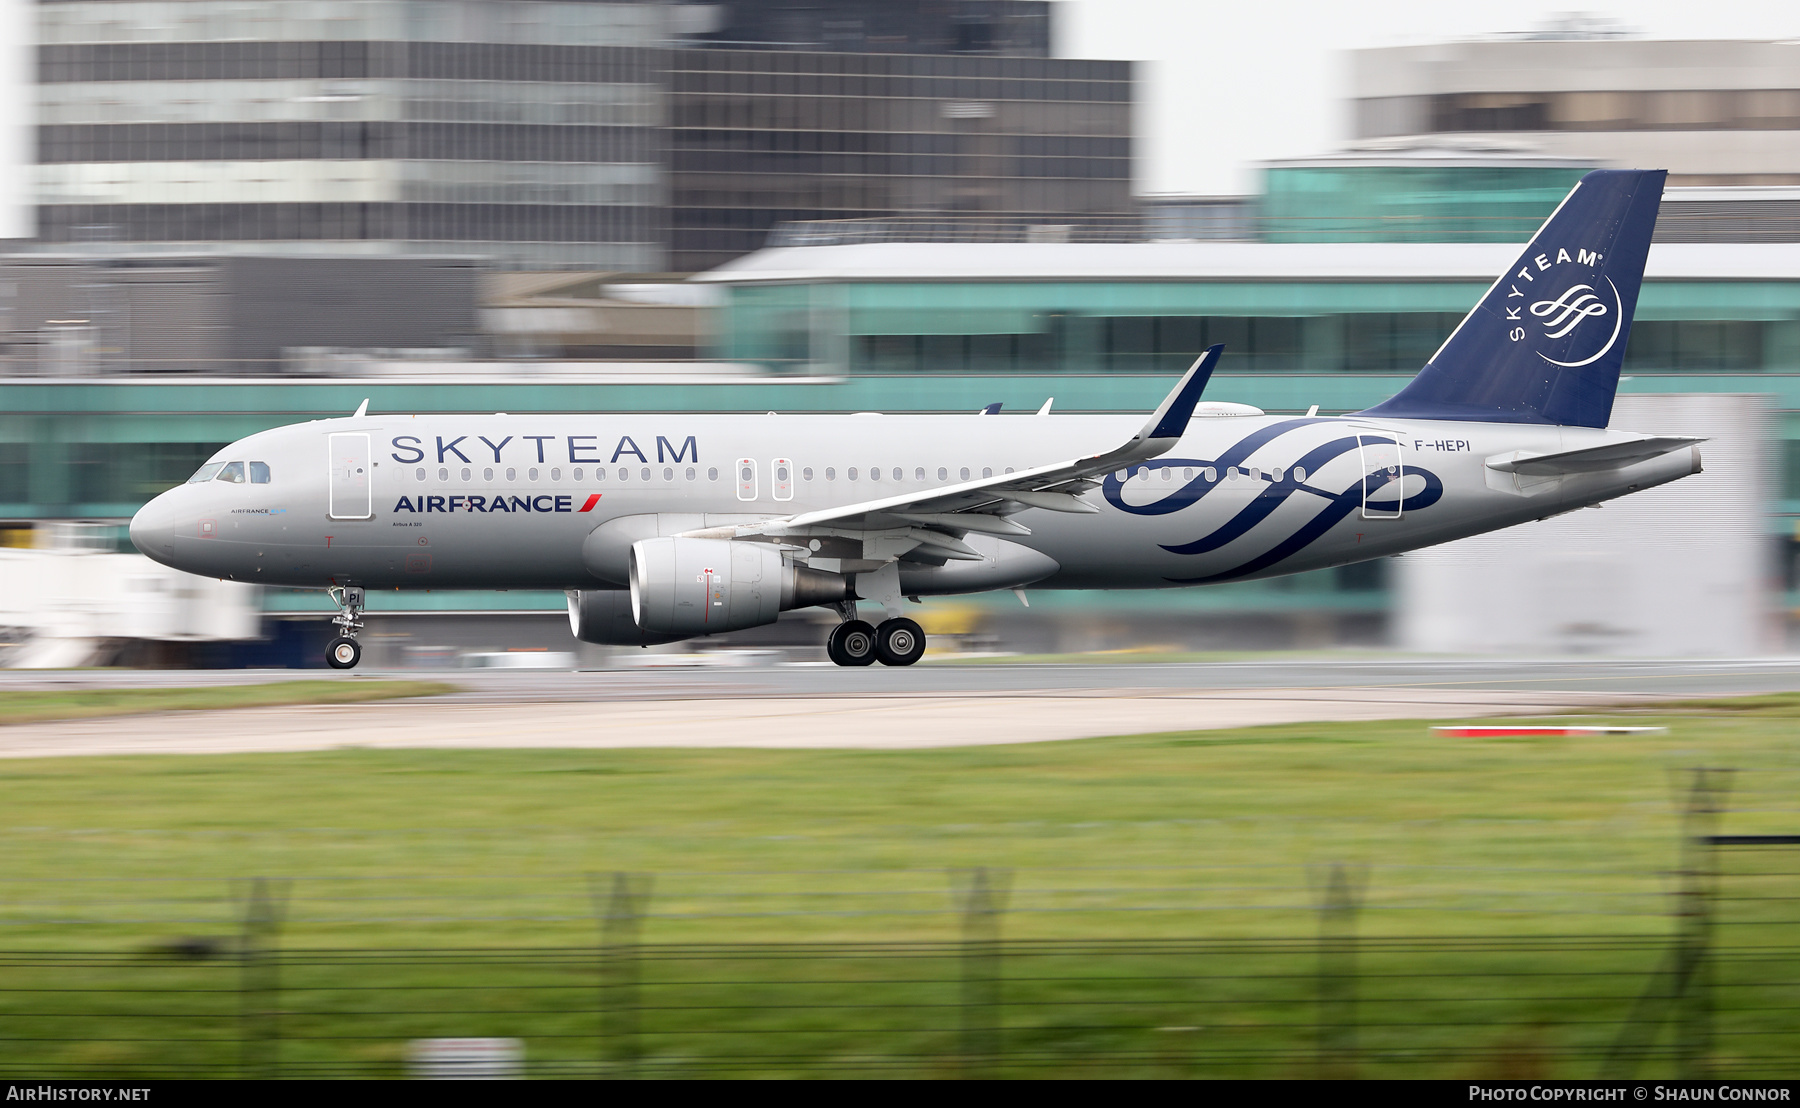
[(344, 651)]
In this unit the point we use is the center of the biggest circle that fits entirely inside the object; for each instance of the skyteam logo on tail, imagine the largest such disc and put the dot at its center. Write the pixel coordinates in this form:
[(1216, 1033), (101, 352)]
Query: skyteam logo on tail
[(1565, 315)]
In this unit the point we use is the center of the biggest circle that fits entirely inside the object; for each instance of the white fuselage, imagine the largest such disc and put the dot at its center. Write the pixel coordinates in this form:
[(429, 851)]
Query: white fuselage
[(507, 501)]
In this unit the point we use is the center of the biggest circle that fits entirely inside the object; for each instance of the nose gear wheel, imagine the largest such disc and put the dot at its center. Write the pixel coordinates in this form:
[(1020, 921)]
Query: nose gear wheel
[(344, 651)]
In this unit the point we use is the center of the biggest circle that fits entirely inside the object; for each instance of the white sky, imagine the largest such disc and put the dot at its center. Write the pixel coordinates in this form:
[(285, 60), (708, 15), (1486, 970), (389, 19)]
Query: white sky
[(1223, 85)]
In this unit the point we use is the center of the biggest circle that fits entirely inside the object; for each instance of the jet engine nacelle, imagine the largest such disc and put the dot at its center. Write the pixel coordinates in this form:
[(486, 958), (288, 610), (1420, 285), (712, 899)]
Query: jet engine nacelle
[(604, 616), (690, 586)]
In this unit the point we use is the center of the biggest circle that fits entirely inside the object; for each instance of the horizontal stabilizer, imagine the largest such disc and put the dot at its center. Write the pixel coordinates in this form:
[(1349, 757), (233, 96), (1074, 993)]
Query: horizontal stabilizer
[(1612, 455)]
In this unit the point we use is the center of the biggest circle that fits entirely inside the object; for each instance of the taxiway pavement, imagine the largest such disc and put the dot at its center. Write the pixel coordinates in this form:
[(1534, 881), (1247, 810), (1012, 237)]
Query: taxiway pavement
[(822, 707)]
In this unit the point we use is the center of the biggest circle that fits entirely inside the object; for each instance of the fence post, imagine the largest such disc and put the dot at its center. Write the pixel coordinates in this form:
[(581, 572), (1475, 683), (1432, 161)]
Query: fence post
[(983, 898), (1707, 789), (1337, 971), (619, 919), (259, 984)]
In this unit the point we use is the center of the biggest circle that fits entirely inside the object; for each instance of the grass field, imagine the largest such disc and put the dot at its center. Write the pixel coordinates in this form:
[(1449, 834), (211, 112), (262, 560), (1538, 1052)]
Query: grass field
[(1216, 838), (35, 706)]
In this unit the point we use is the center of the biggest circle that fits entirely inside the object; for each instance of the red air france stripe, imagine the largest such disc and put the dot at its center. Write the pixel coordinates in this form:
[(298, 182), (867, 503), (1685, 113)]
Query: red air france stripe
[(593, 499)]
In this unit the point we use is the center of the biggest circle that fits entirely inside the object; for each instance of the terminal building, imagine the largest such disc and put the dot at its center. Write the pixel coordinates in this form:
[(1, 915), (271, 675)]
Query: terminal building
[(1713, 112)]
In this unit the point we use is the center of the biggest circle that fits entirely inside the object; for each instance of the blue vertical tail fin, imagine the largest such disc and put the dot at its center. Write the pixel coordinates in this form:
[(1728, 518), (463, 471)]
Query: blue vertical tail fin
[(1545, 343)]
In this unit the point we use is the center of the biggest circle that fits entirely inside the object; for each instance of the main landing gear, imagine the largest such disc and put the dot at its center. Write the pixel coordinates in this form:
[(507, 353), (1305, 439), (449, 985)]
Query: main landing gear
[(897, 642), (344, 651)]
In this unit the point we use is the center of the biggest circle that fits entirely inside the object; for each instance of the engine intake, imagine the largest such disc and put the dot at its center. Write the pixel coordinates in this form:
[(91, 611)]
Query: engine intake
[(688, 586)]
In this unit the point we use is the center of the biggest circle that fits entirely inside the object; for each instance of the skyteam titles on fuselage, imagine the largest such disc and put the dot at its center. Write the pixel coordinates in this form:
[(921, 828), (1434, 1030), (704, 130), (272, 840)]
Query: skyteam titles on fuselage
[(581, 449)]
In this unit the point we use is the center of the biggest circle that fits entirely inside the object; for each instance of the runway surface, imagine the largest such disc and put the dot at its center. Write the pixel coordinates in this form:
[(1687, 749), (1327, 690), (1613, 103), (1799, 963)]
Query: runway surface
[(826, 707)]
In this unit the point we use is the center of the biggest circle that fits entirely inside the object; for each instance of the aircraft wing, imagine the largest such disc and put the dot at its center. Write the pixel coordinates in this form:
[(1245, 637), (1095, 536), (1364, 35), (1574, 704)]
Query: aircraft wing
[(936, 517)]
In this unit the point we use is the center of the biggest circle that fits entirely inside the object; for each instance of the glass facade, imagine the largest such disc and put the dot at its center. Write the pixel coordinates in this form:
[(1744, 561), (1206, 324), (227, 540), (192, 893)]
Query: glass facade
[(1012, 27), (1049, 327), (761, 137), (1404, 203)]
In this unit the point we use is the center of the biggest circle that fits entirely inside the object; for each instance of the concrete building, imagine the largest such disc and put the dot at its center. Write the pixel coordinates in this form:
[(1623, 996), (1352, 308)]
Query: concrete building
[(75, 315), (1711, 112)]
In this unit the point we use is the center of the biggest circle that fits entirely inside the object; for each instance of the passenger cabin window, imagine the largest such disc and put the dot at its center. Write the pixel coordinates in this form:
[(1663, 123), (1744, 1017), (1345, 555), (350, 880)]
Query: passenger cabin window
[(233, 472), (206, 473), (259, 473)]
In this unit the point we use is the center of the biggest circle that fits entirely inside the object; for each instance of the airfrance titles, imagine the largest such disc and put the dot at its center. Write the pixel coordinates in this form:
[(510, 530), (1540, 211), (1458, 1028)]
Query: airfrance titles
[(486, 503)]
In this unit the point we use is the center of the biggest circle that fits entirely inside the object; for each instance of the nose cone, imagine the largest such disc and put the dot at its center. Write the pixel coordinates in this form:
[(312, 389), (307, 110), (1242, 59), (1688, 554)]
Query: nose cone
[(153, 530)]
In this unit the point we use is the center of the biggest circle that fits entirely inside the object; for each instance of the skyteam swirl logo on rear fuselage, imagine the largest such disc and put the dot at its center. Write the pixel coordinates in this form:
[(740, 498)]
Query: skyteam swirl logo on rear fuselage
[(1333, 506)]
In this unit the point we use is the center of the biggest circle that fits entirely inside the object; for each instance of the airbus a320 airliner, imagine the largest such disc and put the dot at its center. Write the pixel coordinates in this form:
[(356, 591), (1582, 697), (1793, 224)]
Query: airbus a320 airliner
[(669, 527)]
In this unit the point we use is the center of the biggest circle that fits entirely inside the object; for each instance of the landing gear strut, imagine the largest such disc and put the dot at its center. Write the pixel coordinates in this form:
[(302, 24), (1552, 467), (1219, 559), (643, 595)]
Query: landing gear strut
[(344, 651)]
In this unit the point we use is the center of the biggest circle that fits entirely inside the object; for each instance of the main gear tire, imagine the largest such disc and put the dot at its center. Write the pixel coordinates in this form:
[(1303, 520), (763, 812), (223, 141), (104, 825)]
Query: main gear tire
[(852, 643), (343, 653), (899, 642)]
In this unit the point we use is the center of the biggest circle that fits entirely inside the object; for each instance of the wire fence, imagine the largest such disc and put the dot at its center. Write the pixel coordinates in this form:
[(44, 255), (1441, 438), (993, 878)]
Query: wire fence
[(1711, 990), (1717, 996)]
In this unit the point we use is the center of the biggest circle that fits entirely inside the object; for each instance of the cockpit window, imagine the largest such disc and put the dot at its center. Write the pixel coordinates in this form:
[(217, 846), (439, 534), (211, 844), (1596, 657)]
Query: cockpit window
[(233, 472), (259, 473), (206, 472)]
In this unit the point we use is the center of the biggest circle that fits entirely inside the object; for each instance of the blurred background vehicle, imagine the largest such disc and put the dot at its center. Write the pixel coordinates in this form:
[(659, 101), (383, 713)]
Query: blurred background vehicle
[(245, 215)]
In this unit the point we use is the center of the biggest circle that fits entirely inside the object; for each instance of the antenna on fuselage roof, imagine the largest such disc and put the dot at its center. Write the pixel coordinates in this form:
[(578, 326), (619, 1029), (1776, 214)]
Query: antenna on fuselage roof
[(991, 409), (362, 409), (1045, 410)]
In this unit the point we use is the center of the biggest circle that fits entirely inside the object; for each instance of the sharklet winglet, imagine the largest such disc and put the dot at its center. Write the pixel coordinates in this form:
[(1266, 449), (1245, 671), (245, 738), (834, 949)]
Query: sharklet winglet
[(1171, 418)]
